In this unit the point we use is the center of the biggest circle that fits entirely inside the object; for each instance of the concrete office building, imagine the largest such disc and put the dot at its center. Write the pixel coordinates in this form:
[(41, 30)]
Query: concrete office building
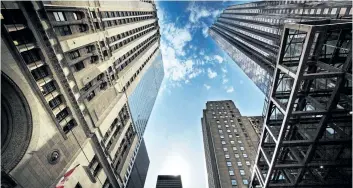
[(230, 145), (307, 136), (250, 33), (68, 70), (169, 181)]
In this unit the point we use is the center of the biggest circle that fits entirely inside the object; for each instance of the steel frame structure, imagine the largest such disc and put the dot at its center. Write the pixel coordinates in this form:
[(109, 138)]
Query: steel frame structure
[(306, 139)]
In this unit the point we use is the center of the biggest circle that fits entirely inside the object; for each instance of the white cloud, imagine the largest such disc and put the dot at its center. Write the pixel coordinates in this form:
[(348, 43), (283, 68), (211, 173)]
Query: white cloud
[(207, 86), (224, 81), (211, 74), (204, 29), (187, 81), (197, 12), (215, 13), (218, 58), (230, 89), (177, 37), (224, 70)]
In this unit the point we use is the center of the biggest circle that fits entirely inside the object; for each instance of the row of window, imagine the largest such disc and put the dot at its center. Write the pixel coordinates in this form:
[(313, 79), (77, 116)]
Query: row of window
[(129, 33), (61, 16), (112, 23), (128, 57), (234, 182), (130, 39), (66, 30), (113, 14), (143, 65)]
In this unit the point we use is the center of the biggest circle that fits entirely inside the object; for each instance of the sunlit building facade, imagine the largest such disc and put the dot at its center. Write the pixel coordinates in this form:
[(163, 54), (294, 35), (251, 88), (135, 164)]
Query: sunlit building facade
[(250, 33), (68, 70), (230, 145)]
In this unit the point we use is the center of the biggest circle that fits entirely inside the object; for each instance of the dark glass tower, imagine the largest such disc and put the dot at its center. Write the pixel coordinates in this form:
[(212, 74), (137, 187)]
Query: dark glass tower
[(169, 181), (250, 33)]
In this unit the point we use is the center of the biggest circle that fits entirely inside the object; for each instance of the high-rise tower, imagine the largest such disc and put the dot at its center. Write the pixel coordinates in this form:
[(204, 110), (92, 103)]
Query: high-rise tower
[(230, 143), (250, 33), (69, 71), (169, 181)]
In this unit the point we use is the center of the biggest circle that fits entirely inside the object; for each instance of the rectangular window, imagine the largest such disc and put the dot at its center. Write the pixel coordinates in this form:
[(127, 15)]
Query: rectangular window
[(75, 54), (48, 88), (240, 164), (225, 122), (245, 155), (59, 16), (234, 182), (235, 148), (227, 126), (247, 163), (236, 155), (219, 126), (245, 182), (61, 115), (63, 30), (223, 142), (229, 164), (222, 136), (79, 66), (232, 142), (242, 148), (55, 102), (230, 136), (225, 149), (228, 131), (242, 172), (226, 156), (239, 141), (231, 172)]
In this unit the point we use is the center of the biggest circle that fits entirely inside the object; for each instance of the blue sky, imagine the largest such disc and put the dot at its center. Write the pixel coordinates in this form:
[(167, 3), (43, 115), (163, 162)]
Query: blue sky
[(196, 70)]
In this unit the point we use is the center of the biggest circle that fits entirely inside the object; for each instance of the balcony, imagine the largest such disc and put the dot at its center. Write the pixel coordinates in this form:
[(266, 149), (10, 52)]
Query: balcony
[(71, 22), (81, 58)]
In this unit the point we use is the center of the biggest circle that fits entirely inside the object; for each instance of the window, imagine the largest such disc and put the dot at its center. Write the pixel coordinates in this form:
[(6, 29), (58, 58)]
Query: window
[(61, 115), (232, 142), (59, 16), (242, 148), (228, 131), (239, 141), (219, 126), (234, 182), (231, 172), (245, 182), (220, 131), (242, 172), (226, 156), (225, 149), (79, 66), (227, 126), (233, 125), (231, 120), (75, 54), (247, 163), (214, 117), (55, 102), (225, 122), (31, 56), (245, 155), (235, 148), (229, 164), (90, 96), (236, 155), (223, 142), (222, 136), (63, 30), (48, 88), (230, 136), (235, 131), (240, 164)]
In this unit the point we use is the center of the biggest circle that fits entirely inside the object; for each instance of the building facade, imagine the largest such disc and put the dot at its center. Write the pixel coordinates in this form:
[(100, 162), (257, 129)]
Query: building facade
[(250, 33), (169, 181), (68, 70), (230, 145), (307, 136)]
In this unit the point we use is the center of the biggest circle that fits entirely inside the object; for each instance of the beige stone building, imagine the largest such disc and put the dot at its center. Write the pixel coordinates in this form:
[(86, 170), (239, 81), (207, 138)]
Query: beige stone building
[(67, 71)]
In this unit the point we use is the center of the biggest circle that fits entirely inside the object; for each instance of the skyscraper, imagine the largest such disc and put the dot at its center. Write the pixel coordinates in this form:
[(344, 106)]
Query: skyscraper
[(230, 145), (250, 33), (68, 72), (307, 136), (169, 181)]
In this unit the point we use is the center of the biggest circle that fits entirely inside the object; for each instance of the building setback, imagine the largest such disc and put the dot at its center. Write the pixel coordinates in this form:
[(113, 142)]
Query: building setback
[(169, 181), (69, 71), (230, 145), (250, 33)]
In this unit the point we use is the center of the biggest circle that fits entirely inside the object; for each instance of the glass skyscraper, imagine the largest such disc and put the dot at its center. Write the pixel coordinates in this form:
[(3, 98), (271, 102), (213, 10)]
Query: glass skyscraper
[(250, 33), (142, 99)]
